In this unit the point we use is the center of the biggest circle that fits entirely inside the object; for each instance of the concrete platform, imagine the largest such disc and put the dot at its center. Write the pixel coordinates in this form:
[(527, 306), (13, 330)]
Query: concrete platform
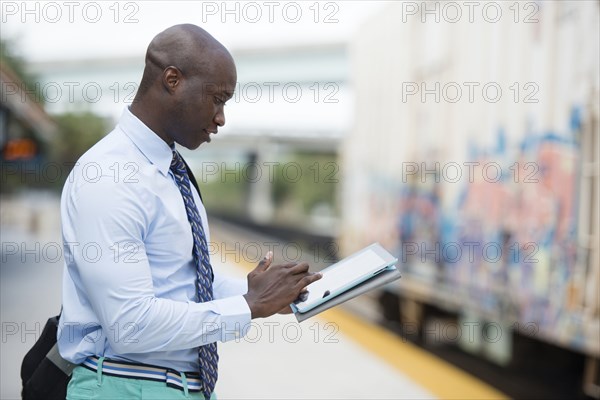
[(282, 359)]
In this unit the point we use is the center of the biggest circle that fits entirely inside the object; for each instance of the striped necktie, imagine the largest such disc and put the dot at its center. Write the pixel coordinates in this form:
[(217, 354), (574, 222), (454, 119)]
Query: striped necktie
[(207, 354)]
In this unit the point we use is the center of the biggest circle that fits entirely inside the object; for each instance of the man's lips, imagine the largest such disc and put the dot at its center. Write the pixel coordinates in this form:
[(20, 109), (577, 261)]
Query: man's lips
[(207, 133)]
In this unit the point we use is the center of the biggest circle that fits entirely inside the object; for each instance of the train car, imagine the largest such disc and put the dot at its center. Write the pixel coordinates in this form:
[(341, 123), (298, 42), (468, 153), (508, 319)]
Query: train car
[(474, 157)]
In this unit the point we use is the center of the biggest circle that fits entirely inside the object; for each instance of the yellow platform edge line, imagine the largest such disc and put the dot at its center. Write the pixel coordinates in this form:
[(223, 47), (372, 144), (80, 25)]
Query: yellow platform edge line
[(437, 376)]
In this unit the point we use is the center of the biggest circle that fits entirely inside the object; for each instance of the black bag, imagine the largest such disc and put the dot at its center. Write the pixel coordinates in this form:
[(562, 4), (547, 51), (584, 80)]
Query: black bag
[(44, 373)]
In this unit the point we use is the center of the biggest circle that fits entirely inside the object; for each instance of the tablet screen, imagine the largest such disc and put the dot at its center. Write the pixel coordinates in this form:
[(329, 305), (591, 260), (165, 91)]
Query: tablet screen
[(343, 275)]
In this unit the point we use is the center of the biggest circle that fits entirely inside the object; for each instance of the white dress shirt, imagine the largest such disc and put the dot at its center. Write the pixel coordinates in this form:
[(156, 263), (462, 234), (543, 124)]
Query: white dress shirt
[(129, 279)]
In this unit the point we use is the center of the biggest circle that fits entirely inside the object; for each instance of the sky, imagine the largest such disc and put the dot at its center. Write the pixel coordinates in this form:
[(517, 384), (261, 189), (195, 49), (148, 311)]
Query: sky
[(65, 30)]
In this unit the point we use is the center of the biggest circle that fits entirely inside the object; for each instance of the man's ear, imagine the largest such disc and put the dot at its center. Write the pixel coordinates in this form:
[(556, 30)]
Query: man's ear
[(171, 78)]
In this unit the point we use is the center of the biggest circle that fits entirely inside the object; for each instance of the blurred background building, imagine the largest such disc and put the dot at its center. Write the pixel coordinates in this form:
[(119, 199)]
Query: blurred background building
[(463, 136)]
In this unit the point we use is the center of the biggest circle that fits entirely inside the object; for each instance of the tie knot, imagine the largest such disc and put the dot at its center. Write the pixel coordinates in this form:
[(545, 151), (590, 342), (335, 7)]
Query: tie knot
[(176, 162), (175, 158)]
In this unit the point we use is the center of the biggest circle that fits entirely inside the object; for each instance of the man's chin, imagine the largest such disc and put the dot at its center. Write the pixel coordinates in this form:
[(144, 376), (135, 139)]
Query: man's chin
[(192, 146)]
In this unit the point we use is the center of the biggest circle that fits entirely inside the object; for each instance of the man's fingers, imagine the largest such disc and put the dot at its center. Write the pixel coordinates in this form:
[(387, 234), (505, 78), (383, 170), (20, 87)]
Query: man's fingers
[(299, 268), (308, 279), (265, 262)]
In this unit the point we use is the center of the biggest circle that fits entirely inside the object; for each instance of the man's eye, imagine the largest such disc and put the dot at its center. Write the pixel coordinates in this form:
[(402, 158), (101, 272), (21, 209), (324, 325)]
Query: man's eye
[(219, 101)]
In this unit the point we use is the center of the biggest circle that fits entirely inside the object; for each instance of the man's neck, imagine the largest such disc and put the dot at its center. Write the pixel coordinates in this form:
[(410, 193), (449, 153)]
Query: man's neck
[(148, 116)]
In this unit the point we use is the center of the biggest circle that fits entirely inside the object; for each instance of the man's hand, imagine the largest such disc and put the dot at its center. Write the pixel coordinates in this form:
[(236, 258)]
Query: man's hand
[(287, 309), (272, 288)]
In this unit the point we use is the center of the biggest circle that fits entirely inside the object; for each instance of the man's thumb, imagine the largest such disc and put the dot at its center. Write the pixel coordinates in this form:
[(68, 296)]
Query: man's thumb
[(265, 262)]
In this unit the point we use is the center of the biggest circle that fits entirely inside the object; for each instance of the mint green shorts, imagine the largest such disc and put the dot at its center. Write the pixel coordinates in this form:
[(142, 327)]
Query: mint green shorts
[(86, 384)]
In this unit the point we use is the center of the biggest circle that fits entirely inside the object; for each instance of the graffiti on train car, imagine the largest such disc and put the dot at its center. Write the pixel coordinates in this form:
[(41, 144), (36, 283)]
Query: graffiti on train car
[(508, 245)]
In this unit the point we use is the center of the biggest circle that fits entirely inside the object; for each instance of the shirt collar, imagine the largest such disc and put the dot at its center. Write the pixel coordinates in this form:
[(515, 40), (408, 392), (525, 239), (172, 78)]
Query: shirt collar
[(156, 150)]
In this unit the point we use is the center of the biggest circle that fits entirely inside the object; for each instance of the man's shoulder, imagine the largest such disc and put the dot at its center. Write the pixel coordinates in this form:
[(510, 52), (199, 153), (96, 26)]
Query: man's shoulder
[(112, 147), (107, 165)]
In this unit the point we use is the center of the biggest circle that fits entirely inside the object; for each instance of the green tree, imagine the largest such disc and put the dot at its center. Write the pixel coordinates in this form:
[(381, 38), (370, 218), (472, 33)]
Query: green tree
[(18, 64)]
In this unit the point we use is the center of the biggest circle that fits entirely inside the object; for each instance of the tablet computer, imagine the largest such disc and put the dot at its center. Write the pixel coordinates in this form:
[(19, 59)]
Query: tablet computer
[(344, 275)]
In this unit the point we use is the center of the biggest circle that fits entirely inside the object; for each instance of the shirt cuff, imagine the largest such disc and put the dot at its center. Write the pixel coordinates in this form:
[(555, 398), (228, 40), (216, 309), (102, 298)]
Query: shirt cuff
[(235, 317)]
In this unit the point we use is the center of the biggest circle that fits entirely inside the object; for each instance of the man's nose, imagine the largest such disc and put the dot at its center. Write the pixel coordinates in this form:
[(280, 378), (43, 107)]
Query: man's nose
[(220, 118)]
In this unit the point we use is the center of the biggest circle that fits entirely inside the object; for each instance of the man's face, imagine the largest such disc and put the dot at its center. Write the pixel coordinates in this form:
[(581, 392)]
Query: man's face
[(199, 104)]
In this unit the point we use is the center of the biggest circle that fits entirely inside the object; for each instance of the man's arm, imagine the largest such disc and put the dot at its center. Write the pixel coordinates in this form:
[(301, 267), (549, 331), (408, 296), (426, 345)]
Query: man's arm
[(226, 286), (109, 224)]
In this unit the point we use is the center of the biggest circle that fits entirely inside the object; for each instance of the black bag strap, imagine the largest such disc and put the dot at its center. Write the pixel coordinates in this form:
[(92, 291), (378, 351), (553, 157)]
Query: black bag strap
[(44, 373), (192, 178)]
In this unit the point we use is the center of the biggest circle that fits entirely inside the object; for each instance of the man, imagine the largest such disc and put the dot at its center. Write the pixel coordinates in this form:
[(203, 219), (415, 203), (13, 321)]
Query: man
[(142, 306)]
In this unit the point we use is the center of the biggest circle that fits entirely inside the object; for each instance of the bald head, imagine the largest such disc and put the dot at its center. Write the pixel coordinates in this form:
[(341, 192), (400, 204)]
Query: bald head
[(188, 47), (188, 78)]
